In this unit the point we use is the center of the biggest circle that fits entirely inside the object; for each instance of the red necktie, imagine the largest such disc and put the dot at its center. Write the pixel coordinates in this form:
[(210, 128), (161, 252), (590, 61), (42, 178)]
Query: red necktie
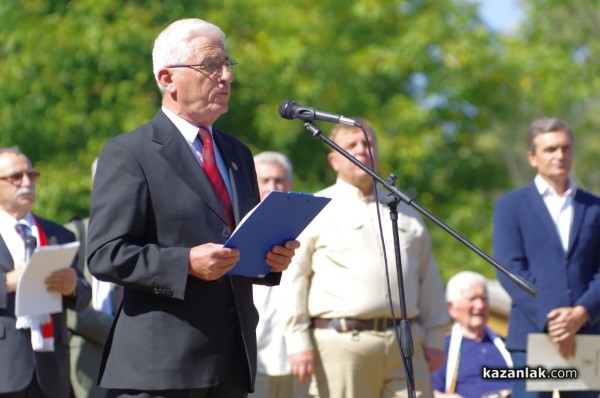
[(212, 172)]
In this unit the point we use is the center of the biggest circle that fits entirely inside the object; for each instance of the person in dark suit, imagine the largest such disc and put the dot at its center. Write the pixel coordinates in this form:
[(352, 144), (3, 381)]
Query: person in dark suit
[(548, 232), (162, 207), (34, 351)]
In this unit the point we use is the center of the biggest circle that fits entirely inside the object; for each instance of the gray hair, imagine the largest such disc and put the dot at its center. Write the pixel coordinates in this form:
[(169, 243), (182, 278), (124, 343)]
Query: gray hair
[(545, 125), (172, 46), (275, 158), (461, 281)]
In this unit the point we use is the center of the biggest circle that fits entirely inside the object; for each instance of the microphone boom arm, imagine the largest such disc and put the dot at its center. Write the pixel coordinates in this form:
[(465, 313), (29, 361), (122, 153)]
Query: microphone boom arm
[(516, 279)]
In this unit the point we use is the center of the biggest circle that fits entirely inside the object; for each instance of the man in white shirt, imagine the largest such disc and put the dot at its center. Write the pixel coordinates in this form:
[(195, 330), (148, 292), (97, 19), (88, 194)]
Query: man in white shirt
[(274, 378)]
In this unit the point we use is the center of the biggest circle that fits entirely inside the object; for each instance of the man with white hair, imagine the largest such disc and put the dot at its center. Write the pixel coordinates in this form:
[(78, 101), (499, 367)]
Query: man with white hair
[(471, 339), (166, 198)]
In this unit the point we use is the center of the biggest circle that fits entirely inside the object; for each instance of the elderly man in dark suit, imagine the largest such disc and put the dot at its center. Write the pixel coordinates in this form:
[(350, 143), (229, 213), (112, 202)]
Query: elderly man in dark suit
[(548, 232), (165, 200), (34, 351)]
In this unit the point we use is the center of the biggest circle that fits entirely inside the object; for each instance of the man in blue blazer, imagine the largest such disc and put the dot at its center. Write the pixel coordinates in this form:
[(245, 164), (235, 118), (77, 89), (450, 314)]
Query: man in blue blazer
[(548, 232), (186, 328), (32, 367)]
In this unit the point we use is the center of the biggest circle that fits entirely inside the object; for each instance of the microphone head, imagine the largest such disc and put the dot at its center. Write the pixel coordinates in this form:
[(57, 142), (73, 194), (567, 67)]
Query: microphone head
[(286, 109)]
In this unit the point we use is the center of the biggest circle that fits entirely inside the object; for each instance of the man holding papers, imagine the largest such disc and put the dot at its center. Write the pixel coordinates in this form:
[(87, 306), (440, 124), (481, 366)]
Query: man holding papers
[(339, 325), (166, 197), (34, 350)]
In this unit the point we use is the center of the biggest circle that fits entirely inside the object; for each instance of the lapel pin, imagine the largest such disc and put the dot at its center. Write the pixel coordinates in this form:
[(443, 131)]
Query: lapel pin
[(234, 166)]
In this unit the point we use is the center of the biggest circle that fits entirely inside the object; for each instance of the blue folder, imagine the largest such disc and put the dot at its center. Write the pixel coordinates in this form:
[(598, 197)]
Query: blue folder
[(280, 217)]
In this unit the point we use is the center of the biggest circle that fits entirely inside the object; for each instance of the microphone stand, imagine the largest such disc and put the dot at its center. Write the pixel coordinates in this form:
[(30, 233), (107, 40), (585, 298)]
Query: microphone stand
[(404, 337), (392, 201)]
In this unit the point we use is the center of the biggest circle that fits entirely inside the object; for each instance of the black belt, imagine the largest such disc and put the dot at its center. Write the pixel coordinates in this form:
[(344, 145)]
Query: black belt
[(351, 324)]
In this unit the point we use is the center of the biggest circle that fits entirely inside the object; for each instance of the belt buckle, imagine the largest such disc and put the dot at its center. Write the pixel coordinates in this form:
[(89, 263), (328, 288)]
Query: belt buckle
[(343, 325), (376, 324)]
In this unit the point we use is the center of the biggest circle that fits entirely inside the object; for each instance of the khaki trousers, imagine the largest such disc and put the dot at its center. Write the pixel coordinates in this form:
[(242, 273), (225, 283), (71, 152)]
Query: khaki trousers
[(366, 364), (275, 386)]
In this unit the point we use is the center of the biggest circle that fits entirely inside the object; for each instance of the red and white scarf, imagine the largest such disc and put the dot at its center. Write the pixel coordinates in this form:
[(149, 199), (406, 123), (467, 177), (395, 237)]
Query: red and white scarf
[(42, 326)]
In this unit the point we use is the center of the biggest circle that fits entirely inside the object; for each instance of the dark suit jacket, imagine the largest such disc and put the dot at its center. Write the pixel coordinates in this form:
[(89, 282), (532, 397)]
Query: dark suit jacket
[(151, 203), (18, 361), (526, 243)]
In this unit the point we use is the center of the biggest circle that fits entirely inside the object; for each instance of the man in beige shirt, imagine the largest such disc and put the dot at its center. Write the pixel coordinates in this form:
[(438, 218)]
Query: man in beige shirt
[(339, 326)]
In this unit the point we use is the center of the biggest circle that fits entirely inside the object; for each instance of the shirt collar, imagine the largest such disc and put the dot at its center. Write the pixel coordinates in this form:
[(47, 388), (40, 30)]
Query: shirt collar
[(187, 129), (7, 219), (545, 189), (351, 190)]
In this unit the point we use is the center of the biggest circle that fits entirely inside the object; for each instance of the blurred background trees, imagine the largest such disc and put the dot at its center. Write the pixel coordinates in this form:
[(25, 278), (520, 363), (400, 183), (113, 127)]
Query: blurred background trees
[(450, 99)]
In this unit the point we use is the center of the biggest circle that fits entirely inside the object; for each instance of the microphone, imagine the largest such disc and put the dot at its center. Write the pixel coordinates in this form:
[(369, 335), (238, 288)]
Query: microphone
[(30, 245), (289, 109)]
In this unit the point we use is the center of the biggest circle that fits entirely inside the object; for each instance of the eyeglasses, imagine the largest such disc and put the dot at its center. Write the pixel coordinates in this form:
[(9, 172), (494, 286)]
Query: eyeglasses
[(211, 65), (17, 177)]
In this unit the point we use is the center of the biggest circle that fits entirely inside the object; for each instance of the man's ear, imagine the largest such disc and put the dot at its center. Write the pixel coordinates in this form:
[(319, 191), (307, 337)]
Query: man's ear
[(451, 311), (532, 159), (333, 161), (165, 79)]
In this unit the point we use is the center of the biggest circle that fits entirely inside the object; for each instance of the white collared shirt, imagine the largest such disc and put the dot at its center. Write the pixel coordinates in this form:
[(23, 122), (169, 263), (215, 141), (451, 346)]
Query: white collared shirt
[(560, 207), (11, 237)]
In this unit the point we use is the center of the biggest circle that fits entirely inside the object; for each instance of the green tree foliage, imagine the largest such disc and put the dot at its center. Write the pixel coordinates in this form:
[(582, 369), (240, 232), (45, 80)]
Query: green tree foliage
[(555, 55), (448, 98)]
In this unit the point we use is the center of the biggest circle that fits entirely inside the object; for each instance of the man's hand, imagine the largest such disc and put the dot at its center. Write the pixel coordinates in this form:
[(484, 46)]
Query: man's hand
[(435, 358), (211, 261), (302, 364), (12, 279), (280, 257), (563, 325), (63, 281)]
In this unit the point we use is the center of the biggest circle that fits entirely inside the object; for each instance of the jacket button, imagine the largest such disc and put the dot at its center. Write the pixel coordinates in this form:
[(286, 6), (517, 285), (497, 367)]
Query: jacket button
[(226, 232)]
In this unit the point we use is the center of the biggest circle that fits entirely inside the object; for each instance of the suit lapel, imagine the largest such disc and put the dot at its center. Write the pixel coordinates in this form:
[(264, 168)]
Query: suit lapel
[(539, 207), (232, 165), (542, 213), (6, 260), (578, 216), (175, 151)]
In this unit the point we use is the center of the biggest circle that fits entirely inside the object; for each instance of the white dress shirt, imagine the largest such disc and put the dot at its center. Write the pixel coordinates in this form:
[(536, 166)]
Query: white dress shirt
[(560, 207)]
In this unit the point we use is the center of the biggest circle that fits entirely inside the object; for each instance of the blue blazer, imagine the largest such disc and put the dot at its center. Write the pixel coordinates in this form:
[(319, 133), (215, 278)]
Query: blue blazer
[(527, 243), (18, 361)]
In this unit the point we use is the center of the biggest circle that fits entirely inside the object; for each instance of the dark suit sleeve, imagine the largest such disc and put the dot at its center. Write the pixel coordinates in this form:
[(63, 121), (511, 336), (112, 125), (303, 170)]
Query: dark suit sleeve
[(123, 239)]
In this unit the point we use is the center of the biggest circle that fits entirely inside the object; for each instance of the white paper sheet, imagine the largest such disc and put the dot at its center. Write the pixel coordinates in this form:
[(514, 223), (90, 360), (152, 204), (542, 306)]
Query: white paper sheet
[(32, 297), (541, 352)]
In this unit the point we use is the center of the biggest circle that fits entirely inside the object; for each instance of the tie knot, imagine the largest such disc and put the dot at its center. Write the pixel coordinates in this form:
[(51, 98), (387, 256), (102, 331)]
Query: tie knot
[(205, 137), (23, 229)]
